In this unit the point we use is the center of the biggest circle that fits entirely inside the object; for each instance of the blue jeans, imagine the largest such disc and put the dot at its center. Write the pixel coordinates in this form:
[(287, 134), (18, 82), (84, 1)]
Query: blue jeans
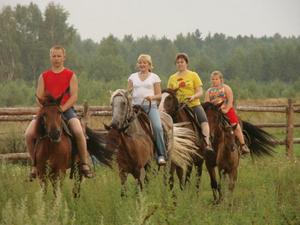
[(157, 129)]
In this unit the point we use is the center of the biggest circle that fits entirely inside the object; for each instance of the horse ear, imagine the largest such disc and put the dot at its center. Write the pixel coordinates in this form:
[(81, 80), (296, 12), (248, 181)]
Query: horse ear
[(220, 104), (106, 127), (58, 100)]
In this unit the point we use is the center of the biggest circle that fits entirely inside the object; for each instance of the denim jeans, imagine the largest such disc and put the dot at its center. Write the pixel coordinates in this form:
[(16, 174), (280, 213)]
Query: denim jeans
[(154, 117)]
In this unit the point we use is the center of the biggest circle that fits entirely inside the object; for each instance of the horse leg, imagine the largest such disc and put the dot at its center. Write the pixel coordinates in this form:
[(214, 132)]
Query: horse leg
[(199, 173), (171, 178), (141, 178), (77, 181), (222, 175), (123, 176), (213, 182), (55, 179), (180, 173), (188, 174), (232, 179)]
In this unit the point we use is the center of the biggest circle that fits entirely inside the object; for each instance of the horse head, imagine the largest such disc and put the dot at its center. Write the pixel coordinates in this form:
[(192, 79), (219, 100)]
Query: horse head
[(50, 118), (214, 115), (169, 102), (121, 109)]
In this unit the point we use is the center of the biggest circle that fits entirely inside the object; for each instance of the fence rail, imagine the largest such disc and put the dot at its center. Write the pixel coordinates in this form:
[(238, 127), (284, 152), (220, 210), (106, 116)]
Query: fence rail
[(23, 114)]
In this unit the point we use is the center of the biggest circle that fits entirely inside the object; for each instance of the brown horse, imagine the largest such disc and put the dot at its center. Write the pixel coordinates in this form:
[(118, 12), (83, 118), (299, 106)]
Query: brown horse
[(181, 113), (53, 148), (227, 146), (130, 135)]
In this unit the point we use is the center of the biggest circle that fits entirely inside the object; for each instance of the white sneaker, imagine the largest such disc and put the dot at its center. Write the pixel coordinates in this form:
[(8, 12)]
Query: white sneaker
[(161, 160)]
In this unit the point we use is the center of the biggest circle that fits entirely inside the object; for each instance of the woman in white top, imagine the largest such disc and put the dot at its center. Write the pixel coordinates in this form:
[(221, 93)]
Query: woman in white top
[(146, 85)]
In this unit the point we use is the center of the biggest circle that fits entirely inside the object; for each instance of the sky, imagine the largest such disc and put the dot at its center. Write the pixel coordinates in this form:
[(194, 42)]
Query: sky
[(96, 19)]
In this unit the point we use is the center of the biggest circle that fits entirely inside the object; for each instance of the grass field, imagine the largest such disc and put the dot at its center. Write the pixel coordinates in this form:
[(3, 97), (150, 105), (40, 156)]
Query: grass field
[(267, 192)]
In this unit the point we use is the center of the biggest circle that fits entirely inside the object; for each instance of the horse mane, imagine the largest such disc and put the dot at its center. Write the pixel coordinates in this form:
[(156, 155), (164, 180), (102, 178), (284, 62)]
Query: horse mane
[(169, 91), (209, 105), (222, 119)]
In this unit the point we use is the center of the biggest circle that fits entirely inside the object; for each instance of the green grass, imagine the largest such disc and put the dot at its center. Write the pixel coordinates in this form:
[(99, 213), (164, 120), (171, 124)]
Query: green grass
[(267, 192)]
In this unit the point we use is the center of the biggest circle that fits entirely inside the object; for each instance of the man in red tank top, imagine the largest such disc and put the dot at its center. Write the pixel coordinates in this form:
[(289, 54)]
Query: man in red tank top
[(60, 81)]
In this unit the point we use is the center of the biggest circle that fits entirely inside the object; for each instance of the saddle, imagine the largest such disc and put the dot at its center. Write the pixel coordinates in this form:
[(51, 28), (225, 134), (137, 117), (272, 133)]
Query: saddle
[(167, 125), (195, 123)]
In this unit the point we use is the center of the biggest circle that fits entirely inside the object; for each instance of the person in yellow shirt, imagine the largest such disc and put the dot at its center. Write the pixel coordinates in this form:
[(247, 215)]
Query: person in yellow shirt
[(189, 90)]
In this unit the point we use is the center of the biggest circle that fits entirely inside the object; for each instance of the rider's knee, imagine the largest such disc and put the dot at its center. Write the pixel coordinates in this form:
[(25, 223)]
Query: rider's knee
[(29, 134), (77, 131)]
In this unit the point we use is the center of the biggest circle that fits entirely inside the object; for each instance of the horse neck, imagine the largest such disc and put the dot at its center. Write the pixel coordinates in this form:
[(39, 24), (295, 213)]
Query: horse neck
[(135, 127)]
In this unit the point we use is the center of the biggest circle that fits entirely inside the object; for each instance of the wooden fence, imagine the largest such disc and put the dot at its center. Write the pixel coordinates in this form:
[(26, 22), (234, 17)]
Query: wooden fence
[(21, 114)]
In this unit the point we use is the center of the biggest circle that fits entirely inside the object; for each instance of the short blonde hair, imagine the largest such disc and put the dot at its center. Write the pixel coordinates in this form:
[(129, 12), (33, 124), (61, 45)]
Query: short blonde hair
[(217, 73), (147, 58), (58, 47)]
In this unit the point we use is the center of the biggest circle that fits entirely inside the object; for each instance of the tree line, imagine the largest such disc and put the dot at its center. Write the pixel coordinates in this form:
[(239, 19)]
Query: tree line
[(255, 67)]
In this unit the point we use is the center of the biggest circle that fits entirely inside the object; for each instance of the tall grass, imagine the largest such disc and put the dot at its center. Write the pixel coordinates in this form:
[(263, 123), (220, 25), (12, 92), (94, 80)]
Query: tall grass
[(267, 192)]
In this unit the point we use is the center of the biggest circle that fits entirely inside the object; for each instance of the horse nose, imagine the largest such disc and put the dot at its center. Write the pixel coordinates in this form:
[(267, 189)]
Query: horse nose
[(55, 134), (115, 124)]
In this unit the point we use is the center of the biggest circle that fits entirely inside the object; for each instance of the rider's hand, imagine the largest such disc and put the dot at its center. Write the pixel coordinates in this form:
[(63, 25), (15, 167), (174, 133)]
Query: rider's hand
[(191, 98), (149, 98), (224, 109)]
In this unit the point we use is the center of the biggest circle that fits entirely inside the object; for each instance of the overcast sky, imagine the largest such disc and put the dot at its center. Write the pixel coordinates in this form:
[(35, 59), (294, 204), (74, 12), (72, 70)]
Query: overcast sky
[(96, 19)]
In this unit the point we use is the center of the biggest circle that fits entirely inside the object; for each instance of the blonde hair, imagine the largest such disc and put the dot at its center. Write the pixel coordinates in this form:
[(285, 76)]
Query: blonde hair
[(58, 47), (217, 73), (147, 58)]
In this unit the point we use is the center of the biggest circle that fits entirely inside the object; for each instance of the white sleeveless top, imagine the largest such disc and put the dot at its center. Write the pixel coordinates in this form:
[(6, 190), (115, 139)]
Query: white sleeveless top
[(142, 89)]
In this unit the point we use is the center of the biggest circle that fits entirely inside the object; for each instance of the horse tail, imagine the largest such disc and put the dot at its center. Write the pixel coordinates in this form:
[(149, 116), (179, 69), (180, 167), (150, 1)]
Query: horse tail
[(184, 147), (96, 147), (260, 142)]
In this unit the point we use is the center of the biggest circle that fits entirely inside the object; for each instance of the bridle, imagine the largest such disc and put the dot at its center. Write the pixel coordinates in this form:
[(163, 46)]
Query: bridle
[(129, 114), (43, 119)]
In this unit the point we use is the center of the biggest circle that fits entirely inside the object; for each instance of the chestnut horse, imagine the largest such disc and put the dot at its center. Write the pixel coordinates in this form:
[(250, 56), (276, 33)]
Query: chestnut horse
[(227, 147), (130, 135), (181, 113), (55, 151)]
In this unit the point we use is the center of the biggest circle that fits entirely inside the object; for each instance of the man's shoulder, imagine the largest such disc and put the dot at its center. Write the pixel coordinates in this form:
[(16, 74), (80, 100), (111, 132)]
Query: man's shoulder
[(69, 71)]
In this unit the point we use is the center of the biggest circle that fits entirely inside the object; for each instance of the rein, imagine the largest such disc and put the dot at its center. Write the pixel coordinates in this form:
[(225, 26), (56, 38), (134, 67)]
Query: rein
[(41, 118)]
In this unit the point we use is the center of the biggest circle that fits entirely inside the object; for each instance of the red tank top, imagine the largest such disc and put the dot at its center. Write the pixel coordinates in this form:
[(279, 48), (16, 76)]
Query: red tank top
[(57, 84)]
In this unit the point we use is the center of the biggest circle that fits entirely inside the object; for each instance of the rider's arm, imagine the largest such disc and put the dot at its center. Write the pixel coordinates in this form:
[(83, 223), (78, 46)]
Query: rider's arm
[(40, 90), (206, 98), (229, 94), (157, 91), (198, 93), (129, 86), (73, 94)]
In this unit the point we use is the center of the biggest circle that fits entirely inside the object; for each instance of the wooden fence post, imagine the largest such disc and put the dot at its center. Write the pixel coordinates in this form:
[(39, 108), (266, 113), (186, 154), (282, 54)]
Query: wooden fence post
[(290, 129), (85, 114)]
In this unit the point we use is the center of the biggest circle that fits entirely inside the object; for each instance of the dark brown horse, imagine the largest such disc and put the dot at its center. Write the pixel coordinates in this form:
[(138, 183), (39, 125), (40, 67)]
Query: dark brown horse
[(53, 148), (227, 146), (181, 113), (130, 135)]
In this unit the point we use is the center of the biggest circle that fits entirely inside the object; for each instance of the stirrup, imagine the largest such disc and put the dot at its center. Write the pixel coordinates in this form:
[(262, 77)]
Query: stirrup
[(87, 173)]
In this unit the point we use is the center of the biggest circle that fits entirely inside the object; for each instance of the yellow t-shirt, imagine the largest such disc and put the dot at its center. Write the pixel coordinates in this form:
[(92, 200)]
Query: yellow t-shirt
[(186, 85)]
